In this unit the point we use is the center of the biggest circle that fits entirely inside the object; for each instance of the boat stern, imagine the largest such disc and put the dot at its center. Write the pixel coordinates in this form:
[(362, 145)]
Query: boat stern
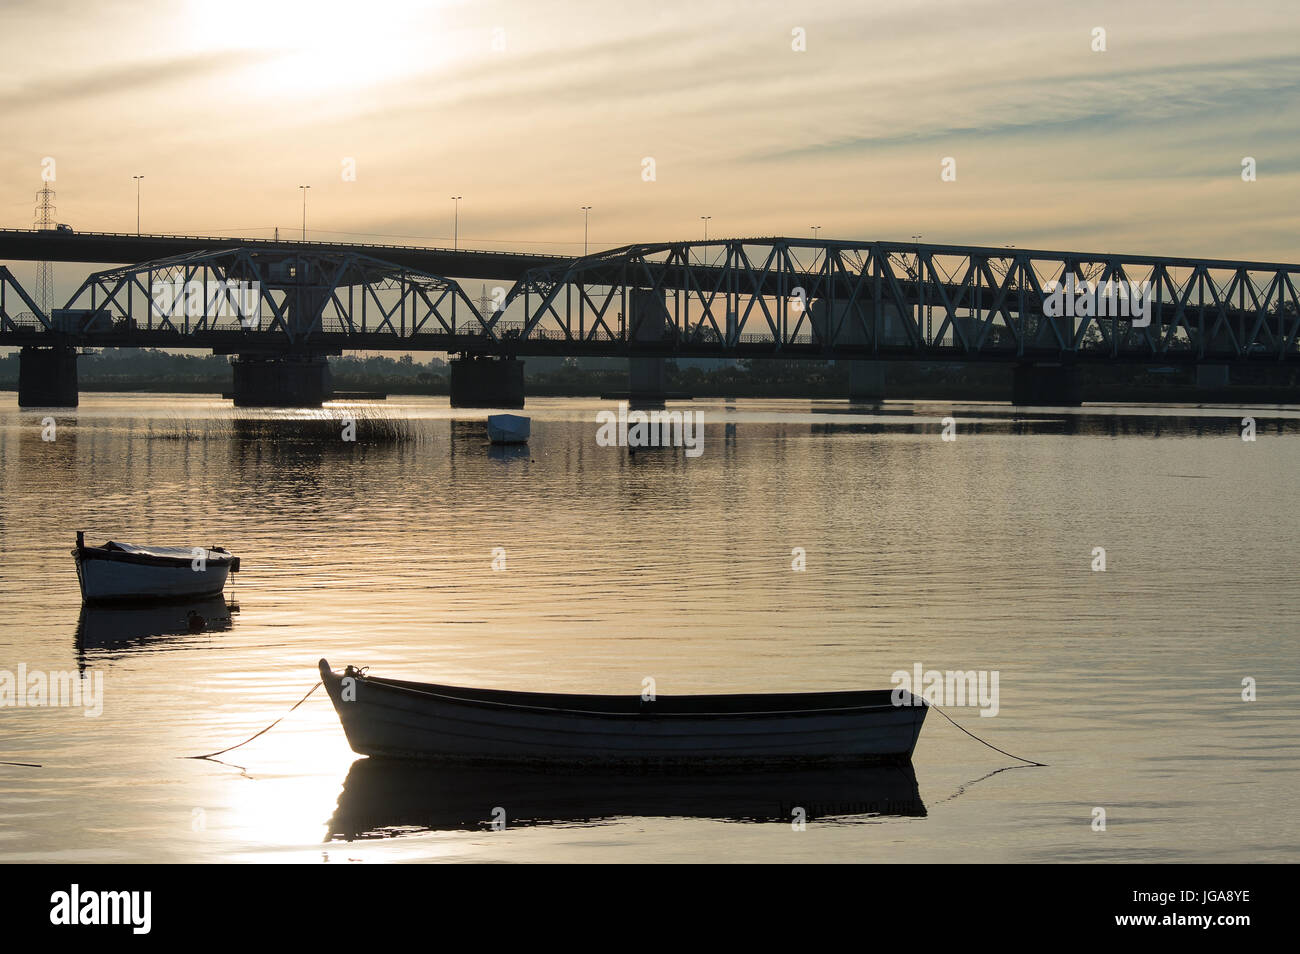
[(920, 707)]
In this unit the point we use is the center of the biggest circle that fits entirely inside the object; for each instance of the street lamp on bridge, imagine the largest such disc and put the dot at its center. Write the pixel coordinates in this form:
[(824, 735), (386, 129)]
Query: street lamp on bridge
[(304, 189), (137, 203), (455, 228), (586, 211)]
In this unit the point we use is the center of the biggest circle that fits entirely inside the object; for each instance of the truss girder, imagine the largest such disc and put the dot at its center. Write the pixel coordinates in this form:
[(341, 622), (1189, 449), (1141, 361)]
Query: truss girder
[(18, 311), (805, 297), (302, 298), (929, 299)]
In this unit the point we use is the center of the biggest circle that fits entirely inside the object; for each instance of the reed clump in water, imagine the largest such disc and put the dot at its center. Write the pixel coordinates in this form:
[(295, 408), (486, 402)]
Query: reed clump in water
[(350, 425)]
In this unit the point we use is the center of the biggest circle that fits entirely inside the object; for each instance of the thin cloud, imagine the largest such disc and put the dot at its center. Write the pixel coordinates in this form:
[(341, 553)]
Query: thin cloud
[(60, 90)]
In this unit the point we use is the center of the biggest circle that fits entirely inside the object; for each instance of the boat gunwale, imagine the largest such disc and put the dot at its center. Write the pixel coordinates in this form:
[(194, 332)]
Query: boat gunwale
[(514, 699), (213, 556)]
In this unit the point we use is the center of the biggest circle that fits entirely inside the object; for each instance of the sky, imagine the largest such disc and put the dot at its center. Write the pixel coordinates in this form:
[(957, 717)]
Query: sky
[(531, 110)]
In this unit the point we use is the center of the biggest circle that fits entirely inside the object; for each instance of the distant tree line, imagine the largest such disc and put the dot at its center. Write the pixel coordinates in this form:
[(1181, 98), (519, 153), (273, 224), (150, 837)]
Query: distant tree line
[(143, 369), (149, 369)]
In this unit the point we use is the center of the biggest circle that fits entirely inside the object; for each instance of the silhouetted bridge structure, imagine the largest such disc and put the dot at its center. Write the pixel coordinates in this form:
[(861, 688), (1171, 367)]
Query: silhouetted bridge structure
[(283, 307)]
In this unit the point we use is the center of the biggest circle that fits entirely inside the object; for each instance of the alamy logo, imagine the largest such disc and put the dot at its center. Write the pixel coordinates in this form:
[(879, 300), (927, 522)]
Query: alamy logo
[(1114, 299), (654, 429), (37, 689), (213, 299), (951, 688), (103, 907)]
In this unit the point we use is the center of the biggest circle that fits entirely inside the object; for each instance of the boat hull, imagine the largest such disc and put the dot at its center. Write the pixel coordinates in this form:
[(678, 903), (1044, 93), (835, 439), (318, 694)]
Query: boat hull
[(394, 719), (508, 429), (113, 580)]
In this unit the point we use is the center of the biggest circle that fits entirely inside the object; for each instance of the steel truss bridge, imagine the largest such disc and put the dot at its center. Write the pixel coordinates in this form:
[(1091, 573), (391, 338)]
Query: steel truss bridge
[(759, 297)]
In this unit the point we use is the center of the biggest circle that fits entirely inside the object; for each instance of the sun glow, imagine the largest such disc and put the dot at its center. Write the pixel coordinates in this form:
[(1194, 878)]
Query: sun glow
[(318, 46)]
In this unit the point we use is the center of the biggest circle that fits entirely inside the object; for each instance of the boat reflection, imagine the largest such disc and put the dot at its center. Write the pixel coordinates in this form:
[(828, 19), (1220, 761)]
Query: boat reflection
[(382, 798), (104, 628), (509, 451)]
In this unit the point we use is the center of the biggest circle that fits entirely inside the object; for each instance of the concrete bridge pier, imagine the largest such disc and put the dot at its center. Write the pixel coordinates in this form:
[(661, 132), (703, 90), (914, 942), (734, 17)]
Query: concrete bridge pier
[(647, 382), (647, 377), (866, 381), (47, 377), (295, 380), (1046, 385), (481, 381)]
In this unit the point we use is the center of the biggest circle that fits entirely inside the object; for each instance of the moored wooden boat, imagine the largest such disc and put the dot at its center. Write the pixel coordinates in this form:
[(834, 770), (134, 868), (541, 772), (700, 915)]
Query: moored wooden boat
[(508, 429), (124, 572), (401, 719)]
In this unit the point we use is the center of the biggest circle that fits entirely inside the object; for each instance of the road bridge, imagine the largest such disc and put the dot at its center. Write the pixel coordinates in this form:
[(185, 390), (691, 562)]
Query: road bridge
[(867, 303)]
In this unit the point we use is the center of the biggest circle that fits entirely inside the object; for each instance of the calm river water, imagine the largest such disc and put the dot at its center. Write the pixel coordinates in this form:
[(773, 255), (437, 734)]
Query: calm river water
[(972, 554)]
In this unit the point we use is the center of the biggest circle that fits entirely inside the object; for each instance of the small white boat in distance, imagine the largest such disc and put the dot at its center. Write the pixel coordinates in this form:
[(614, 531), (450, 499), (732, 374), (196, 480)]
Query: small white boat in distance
[(395, 718), (121, 572), (508, 429)]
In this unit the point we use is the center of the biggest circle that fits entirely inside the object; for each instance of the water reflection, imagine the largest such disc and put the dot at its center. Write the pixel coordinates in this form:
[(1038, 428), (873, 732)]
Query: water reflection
[(1116, 422), (382, 798), (508, 452), (113, 628), (468, 433)]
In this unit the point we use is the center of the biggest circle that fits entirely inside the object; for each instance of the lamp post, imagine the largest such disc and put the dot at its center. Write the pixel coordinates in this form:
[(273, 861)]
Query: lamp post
[(815, 230), (137, 203), (586, 211), (705, 219), (304, 189), (455, 233)]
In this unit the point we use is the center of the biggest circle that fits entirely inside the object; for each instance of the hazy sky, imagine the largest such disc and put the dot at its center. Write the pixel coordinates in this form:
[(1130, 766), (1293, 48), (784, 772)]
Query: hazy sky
[(226, 106)]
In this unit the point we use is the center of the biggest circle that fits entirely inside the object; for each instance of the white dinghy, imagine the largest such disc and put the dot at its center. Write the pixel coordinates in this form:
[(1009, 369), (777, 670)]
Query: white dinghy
[(396, 718), (508, 429), (117, 572)]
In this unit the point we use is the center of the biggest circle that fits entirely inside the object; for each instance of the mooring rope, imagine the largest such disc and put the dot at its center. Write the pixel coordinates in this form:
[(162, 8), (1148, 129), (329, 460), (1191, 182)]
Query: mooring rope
[(982, 742), (255, 735), (961, 789), (212, 755)]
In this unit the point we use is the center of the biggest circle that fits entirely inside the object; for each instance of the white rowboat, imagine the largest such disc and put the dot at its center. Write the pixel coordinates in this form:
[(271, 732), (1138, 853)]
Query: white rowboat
[(119, 572), (400, 719)]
